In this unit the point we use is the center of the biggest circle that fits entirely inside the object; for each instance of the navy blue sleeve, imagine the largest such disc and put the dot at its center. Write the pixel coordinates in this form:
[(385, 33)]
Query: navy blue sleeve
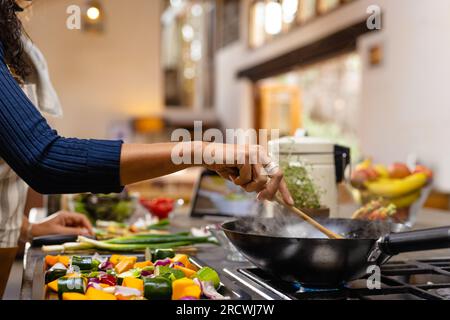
[(46, 161)]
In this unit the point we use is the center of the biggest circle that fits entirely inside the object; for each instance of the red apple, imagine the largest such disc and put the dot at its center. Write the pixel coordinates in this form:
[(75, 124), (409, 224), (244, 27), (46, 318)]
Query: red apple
[(399, 171), (424, 169), (372, 173), (358, 178)]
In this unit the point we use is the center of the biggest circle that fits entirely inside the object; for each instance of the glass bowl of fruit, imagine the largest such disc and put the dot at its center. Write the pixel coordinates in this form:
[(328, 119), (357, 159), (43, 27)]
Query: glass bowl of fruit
[(400, 191)]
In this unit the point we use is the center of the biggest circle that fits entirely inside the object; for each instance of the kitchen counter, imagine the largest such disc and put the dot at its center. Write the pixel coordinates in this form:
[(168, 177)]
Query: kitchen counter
[(216, 256)]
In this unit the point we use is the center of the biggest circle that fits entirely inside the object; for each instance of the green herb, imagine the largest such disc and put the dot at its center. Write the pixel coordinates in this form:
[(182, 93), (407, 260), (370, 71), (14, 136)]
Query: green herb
[(302, 188)]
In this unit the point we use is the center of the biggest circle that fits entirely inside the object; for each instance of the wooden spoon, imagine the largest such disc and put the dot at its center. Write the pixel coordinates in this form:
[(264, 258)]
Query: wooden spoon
[(330, 234)]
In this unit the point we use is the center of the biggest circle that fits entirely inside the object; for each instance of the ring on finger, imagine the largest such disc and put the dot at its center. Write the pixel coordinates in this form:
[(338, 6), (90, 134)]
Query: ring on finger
[(271, 168)]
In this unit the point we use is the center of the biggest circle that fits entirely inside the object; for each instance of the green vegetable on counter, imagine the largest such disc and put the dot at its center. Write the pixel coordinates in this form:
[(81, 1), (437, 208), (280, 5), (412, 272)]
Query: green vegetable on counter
[(71, 284), (85, 263), (161, 254), (150, 239), (51, 275), (209, 274), (169, 273), (131, 247), (158, 288)]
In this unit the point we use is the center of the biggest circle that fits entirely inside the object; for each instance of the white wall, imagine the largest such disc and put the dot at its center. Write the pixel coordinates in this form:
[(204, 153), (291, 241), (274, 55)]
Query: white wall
[(101, 78), (405, 102)]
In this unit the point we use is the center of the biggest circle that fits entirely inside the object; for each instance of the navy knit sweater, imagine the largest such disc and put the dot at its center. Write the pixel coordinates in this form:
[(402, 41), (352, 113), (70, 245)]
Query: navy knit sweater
[(46, 161)]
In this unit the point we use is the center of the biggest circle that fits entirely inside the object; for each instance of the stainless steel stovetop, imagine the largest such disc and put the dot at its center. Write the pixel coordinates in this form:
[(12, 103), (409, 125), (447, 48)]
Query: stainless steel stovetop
[(400, 280)]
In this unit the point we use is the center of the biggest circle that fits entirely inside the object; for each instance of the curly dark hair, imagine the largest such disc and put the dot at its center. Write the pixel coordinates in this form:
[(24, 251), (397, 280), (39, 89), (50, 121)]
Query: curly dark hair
[(11, 30)]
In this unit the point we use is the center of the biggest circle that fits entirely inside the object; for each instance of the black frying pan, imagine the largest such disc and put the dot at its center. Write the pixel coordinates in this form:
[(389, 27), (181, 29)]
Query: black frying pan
[(298, 252)]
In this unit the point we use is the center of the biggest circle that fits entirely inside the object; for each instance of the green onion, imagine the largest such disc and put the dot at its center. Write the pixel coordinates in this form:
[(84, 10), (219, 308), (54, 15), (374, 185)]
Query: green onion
[(151, 240), (153, 235), (68, 247), (133, 247)]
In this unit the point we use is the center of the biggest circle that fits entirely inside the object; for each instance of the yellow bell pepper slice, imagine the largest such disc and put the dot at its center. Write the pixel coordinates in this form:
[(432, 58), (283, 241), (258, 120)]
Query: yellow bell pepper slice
[(185, 288), (143, 264), (184, 259), (187, 272), (125, 264), (74, 296), (53, 285), (135, 283), (94, 294)]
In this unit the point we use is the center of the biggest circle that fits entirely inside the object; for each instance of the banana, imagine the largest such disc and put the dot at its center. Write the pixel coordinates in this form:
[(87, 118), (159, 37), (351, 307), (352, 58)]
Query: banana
[(404, 201), (364, 165), (381, 170), (393, 188)]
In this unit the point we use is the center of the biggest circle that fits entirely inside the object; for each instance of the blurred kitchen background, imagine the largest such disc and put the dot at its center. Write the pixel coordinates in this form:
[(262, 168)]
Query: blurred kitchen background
[(138, 69)]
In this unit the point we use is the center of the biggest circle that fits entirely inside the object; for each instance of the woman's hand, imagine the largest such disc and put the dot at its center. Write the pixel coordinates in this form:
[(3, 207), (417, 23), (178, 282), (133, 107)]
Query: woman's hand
[(249, 167), (63, 223)]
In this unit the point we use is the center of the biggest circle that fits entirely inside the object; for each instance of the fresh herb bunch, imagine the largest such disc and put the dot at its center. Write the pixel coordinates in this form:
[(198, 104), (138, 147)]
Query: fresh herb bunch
[(302, 188)]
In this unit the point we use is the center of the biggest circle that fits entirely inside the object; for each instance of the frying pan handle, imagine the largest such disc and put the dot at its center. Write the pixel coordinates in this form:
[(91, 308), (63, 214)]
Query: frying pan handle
[(427, 239)]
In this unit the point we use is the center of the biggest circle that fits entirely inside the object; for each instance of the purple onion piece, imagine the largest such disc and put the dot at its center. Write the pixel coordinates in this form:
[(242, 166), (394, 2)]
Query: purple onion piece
[(164, 262), (94, 285), (94, 280), (106, 265), (146, 273), (108, 279), (210, 292)]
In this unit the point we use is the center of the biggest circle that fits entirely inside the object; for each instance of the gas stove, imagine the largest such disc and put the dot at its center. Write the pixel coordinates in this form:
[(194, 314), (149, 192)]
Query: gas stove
[(400, 280)]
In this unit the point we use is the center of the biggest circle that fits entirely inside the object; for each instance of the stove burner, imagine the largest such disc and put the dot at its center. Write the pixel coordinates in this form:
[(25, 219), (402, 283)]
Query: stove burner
[(400, 280)]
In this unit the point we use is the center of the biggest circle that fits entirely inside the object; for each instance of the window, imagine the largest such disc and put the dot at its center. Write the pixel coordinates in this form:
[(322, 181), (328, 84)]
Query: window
[(187, 53), (270, 18)]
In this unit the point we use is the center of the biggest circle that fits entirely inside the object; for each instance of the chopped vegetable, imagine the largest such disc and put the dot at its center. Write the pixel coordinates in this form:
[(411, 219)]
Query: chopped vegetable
[(65, 260), (158, 288), (51, 260), (133, 283), (84, 263), (143, 264), (125, 265), (165, 279), (185, 287), (71, 284), (74, 296), (184, 259), (127, 293), (108, 279), (161, 254), (107, 265), (115, 259), (53, 285), (164, 262), (52, 275), (169, 273), (206, 274), (210, 292), (95, 294), (187, 272)]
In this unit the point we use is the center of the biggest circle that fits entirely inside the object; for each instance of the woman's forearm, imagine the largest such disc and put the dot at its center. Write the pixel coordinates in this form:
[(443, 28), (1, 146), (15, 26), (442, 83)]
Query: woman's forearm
[(146, 161)]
